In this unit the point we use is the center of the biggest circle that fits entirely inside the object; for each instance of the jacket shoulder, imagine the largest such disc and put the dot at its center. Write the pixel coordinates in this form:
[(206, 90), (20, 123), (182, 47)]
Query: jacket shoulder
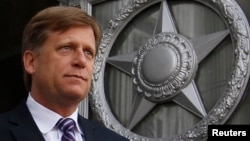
[(104, 133), (4, 118), (5, 127), (108, 134)]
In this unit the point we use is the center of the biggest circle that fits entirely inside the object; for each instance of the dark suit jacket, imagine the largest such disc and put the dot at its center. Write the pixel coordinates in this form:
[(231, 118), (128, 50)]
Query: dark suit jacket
[(18, 125)]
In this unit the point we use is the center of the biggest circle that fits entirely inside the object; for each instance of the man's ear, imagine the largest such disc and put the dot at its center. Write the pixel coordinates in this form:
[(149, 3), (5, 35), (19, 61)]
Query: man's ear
[(29, 58)]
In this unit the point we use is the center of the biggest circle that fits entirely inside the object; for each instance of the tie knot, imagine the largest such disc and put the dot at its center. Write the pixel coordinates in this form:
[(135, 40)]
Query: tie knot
[(65, 124)]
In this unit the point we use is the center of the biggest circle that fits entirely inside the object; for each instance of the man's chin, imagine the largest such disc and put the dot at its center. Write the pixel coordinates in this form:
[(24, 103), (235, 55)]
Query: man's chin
[(76, 96)]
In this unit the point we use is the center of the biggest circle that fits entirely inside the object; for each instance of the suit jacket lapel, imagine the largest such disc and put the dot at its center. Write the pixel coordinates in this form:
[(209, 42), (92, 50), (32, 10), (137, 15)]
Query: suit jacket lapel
[(88, 129), (24, 127)]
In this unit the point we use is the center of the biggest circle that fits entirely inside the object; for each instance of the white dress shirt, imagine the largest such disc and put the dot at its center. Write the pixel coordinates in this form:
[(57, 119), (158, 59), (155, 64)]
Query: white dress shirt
[(46, 120)]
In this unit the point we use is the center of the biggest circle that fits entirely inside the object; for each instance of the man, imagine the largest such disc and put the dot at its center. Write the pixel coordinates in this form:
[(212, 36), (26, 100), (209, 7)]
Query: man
[(59, 48)]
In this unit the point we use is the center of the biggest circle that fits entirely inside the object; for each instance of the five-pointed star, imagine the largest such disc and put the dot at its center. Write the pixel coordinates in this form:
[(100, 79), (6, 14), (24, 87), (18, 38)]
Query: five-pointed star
[(189, 97)]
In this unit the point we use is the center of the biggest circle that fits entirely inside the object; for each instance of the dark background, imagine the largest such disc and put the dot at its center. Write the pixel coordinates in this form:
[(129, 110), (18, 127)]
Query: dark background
[(14, 15)]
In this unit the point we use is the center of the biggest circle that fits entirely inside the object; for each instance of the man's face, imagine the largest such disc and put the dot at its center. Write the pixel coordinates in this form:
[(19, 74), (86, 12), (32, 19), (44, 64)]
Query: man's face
[(64, 66)]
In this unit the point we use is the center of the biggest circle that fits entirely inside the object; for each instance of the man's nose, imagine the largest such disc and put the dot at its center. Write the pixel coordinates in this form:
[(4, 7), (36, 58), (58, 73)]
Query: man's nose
[(79, 59)]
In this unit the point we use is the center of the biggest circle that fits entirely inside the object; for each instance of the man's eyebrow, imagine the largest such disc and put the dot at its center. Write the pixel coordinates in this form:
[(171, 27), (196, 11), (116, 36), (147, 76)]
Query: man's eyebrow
[(65, 41)]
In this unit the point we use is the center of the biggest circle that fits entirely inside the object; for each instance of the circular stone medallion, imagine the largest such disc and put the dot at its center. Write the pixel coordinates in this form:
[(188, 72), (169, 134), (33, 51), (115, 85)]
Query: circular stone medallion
[(163, 66)]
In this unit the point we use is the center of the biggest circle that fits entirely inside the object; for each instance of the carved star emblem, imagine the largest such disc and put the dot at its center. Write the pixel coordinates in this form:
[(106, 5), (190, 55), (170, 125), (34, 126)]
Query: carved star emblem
[(186, 96)]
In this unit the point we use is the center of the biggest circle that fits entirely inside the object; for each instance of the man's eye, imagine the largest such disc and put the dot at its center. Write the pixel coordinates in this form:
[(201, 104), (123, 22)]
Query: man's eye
[(89, 53), (66, 48)]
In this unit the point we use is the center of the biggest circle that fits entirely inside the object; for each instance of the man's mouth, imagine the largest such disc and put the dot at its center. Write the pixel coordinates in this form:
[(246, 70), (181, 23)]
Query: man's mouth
[(76, 76)]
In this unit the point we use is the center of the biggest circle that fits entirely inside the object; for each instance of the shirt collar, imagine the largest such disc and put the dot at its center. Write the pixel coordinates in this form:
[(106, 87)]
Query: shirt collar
[(45, 118)]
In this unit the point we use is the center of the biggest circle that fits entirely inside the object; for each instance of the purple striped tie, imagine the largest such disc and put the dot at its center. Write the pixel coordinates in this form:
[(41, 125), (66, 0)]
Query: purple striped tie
[(66, 125)]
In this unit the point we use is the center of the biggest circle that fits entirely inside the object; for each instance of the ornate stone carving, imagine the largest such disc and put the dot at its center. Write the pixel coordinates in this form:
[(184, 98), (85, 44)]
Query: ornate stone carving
[(172, 69), (239, 31)]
